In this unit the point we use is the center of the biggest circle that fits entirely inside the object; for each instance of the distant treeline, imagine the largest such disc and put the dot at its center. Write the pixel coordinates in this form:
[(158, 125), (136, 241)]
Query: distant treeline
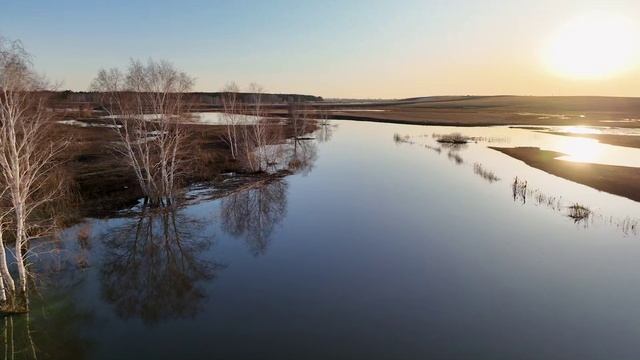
[(204, 98)]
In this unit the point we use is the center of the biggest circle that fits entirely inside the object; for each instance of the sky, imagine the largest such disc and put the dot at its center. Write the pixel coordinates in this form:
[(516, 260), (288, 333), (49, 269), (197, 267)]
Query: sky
[(341, 49)]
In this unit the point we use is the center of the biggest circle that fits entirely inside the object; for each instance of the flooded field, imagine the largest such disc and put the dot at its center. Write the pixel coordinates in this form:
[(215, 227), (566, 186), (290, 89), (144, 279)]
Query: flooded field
[(386, 244)]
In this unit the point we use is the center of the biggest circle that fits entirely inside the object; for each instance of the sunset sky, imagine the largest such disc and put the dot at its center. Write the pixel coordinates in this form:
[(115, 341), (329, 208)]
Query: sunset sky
[(349, 49)]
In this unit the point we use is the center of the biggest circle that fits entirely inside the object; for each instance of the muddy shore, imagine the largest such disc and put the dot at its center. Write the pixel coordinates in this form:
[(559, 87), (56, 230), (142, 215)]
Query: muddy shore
[(618, 180)]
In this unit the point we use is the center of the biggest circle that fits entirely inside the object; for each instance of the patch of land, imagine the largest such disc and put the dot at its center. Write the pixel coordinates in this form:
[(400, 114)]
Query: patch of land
[(617, 180), (100, 178)]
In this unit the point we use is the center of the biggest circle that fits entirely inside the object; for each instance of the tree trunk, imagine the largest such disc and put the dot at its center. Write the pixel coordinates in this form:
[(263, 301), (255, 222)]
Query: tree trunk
[(21, 240), (7, 286)]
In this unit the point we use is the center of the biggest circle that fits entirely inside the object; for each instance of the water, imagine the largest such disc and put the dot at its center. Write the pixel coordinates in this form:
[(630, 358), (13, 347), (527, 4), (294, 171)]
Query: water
[(217, 118), (380, 250), (576, 149), (202, 118)]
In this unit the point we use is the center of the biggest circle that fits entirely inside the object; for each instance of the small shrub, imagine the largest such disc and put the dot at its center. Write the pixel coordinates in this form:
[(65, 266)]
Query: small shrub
[(454, 138), (579, 212), (397, 138)]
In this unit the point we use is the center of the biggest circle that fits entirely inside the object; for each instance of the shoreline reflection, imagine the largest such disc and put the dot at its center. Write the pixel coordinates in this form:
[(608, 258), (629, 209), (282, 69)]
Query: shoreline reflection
[(154, 266)]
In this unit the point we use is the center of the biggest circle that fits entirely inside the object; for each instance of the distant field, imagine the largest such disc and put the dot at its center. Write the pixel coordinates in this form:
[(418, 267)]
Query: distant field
[(494, 110)]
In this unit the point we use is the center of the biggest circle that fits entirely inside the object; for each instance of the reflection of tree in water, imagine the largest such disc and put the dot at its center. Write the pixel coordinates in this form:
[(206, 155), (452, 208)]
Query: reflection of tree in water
[(53, 330), (153, 266), (325, 131), (253, 213), (253, 209), (301, 156)]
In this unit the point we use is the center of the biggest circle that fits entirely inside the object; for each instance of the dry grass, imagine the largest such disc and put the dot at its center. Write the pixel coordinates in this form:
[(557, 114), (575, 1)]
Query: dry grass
[(398, 139), (453, 138), (488, 175), (579, 212), (519, 189)]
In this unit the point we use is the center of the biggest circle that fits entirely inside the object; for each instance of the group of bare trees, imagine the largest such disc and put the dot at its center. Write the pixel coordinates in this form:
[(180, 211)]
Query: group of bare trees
[(262, 142), (253, 138), (302, 119), (27, 159), (147, 103)]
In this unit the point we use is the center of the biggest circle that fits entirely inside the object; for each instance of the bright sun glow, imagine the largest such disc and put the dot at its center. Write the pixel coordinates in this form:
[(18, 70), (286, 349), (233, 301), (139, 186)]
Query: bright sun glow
[(581, 150), (593, 46), (580, 130)]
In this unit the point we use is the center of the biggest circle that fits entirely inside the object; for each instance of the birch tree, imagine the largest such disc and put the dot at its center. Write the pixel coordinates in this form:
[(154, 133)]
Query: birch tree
[(264, 137), (232, 117), (27, 156), (147, 104), (300, 116), (251, 137)]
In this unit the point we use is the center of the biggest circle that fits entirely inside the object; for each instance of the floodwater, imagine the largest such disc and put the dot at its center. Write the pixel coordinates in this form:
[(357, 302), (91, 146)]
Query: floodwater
[(217, 118), (577, 149), (206, 118), (377, 249)]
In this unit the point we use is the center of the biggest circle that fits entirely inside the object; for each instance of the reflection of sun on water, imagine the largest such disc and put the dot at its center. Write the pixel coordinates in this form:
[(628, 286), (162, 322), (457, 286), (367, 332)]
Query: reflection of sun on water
[(580, 149), (581, 130)]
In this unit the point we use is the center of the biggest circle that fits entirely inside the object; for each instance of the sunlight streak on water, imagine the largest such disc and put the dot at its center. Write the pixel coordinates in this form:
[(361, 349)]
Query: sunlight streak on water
[(581, 150), (581, 130), (577, 149)]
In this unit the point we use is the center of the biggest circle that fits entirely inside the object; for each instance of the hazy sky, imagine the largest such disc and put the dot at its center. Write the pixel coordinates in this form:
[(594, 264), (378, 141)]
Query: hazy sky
[(363, 49)]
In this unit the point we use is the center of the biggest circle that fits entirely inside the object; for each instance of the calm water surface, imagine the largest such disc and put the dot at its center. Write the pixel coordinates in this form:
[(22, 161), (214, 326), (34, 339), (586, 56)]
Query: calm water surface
[(381, 250)]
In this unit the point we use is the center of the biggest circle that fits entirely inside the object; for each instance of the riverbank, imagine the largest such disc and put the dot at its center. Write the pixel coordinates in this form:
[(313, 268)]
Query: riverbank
[(617, 180)]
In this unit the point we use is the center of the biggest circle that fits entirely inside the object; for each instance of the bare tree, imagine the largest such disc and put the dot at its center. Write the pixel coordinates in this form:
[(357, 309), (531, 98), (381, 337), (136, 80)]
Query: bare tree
[(303, 151), (232, 117), (263, 137), (301, 156), (300, 118), (7, 285), (252, 138), (326, 128), (147, 105), (27, 156)]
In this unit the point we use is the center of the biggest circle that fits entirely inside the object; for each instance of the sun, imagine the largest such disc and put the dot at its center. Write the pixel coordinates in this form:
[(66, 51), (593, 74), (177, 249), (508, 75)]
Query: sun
[(592, 46)]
